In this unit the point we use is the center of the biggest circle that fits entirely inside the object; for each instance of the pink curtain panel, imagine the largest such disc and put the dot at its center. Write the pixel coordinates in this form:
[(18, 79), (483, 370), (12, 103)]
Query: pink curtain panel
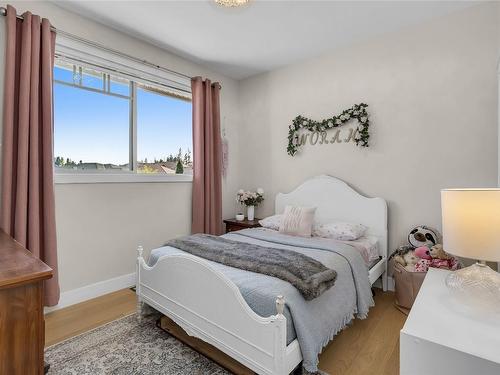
[(27, 200), (207, 158)]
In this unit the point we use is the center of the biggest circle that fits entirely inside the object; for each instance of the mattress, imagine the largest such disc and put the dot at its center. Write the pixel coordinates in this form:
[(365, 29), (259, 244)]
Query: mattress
[(367, 246)]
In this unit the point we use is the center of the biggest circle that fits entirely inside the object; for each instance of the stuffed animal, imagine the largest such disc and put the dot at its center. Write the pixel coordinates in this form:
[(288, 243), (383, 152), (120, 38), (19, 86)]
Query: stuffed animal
[(435, 257), (423, 265), (407, 259), (423, 252), (398, 254), (423, 236), (437, 252), (411, 260)]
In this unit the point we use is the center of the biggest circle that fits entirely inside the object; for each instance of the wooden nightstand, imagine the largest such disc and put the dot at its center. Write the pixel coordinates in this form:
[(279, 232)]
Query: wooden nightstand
[(233, 224)]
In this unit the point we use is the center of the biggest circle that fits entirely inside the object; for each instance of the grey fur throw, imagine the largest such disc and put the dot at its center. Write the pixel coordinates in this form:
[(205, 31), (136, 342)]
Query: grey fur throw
[(310, 277)]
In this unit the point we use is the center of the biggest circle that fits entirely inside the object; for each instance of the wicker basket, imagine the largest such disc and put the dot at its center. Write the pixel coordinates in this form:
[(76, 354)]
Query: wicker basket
[(407, 285)]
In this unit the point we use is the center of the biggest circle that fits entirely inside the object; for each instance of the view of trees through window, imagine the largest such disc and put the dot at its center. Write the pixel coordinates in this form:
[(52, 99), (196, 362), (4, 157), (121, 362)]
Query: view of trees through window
[(95, 112)]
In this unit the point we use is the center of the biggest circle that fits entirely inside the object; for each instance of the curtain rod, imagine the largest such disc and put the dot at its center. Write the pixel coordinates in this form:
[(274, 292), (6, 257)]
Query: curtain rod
[(3, 12)]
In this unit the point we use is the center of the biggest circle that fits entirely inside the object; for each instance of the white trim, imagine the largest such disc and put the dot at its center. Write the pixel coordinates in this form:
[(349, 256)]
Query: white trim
[(110, 178), (98, 289), (135, 71), (81, 51)]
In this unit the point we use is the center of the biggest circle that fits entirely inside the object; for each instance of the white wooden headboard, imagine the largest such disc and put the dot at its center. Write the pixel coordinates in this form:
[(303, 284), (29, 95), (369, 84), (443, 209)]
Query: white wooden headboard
[(336, 201)]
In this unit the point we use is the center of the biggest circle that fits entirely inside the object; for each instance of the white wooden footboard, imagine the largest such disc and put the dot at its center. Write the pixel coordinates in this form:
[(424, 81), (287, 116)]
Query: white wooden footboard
[(209, 306)]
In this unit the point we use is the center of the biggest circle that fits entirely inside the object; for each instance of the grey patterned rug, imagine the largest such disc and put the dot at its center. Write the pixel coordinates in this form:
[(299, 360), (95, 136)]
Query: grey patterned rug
[(126, 346)]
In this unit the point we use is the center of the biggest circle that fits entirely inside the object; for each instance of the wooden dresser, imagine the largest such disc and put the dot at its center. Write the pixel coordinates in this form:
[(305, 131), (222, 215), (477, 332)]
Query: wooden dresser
[(22, 326)]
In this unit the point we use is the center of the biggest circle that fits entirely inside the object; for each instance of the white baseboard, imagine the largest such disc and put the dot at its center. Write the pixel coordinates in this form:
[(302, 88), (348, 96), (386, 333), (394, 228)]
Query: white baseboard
[(87, 292), (390, 283)]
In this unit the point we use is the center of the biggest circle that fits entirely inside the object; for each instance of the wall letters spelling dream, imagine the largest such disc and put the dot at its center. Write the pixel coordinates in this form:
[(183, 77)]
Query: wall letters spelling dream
[(318, 129)]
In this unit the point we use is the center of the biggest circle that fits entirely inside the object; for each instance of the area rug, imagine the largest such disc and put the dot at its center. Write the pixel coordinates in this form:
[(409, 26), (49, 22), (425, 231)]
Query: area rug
[(126, 346)]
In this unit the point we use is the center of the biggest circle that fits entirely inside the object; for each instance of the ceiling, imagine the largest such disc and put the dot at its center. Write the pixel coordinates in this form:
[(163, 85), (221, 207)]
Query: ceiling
[(264, 35)]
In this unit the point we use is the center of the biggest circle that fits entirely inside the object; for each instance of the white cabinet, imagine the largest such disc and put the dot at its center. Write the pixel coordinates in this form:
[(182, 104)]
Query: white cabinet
[(443, 336)]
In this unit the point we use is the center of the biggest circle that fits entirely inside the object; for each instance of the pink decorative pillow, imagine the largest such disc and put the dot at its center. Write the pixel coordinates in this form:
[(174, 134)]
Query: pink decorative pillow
[(297, 221), (340, 231)]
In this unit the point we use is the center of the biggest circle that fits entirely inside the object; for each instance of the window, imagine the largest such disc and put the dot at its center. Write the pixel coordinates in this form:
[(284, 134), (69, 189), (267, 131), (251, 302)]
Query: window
[(114, 125), (164, 133)]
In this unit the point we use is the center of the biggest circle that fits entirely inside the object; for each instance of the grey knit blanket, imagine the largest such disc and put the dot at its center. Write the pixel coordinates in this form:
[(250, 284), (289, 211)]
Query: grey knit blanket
[(309, 276)]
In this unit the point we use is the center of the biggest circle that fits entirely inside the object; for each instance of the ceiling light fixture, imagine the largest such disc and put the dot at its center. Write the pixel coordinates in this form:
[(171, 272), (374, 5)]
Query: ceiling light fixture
[(232, 3)]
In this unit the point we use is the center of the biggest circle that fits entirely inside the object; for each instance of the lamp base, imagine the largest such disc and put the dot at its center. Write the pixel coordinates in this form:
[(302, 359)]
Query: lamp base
[(477, 284)]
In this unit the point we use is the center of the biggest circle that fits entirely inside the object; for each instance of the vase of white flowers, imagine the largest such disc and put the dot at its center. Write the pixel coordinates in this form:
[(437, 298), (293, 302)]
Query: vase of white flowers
[(251, 199)]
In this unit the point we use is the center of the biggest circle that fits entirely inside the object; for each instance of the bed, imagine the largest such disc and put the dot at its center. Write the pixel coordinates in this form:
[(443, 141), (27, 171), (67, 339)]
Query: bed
[(210, 302)]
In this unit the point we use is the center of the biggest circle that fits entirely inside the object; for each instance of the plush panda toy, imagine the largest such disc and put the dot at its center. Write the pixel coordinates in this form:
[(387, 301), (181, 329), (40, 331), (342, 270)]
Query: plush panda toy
[(424, 236)]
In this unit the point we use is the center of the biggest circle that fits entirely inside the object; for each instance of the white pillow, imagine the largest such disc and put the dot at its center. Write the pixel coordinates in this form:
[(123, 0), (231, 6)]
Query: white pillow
[(340, 231), (272, 222), (298, 221)]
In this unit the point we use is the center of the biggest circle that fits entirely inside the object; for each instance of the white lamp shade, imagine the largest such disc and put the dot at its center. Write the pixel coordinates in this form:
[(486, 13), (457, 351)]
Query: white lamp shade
[(471, 223)]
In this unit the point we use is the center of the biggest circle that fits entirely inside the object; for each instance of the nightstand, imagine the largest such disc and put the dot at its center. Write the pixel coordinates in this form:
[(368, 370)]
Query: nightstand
[(233, 224), (441, 336)]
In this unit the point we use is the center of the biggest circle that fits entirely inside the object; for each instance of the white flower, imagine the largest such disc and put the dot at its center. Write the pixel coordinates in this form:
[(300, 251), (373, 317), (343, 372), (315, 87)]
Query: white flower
[(363, 119), (260, 191), (347, 117), (241, 191), (338, 122)]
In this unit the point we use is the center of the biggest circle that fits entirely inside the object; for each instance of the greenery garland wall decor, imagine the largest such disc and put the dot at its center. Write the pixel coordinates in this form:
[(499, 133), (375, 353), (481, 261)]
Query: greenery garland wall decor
[(318, 129)]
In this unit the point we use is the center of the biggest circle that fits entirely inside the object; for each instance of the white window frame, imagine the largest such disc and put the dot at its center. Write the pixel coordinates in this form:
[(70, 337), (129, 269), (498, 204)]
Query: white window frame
[(80, 52)]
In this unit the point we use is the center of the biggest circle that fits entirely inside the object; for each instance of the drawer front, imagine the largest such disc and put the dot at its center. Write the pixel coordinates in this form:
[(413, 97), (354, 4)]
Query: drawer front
[(233, 228), (22, 330)]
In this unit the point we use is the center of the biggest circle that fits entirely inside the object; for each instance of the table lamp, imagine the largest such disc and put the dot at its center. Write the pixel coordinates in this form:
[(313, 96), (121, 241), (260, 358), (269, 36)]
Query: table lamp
[(471, 229)]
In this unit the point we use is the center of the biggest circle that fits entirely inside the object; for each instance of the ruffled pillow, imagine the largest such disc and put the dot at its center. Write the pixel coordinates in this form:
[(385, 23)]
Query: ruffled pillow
[(340, 231), (271, 222)]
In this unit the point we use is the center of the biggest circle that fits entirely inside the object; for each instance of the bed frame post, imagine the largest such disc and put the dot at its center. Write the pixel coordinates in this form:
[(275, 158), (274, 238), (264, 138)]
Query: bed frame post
[(280, 337), (385, 276), (140, 260), (280, 305)]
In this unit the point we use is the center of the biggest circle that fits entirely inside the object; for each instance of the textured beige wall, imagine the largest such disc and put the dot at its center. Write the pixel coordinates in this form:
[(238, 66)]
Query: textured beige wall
[(99, 225), (432, 95)]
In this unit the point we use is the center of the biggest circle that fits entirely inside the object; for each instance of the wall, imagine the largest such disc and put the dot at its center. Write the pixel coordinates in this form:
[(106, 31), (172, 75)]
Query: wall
[(498, 101), (432, 91), (432, 95), (99, 225)]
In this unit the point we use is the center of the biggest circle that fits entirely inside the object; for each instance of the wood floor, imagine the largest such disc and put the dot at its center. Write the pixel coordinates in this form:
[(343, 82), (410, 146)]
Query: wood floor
[(369, 346), (76, 319)]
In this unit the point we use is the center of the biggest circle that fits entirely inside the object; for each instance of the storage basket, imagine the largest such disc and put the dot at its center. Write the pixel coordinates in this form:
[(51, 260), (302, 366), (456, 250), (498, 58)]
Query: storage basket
[(407, 285)]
